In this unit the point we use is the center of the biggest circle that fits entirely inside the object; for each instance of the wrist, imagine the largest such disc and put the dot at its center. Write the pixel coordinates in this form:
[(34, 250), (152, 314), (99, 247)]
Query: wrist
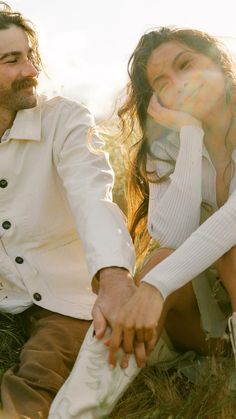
[(111, 272), (149, 288)]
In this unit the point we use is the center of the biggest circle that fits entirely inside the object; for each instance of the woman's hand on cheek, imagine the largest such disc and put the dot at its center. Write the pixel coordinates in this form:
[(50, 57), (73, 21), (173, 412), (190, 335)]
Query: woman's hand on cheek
[(136, 324), (168, 118)]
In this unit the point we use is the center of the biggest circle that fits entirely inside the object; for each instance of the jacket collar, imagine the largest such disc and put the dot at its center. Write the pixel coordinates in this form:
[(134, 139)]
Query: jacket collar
[(27, 124)]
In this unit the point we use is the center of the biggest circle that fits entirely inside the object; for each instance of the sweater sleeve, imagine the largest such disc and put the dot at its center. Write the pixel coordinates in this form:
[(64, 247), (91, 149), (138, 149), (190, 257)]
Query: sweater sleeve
[(174, 205), (208, 243)]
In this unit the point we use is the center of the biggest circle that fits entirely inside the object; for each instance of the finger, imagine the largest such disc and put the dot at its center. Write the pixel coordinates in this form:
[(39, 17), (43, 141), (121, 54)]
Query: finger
[(145, 334), (149, 333), (115, 344), (162, 115), (139, 335), (154, 106), (99, 321), (128, 339), (124, 361), (140, 354), (107, 342), (150, 345)]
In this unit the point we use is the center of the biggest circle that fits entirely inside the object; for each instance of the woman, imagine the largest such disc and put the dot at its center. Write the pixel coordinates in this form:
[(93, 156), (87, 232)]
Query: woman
[(182, 189), (182, 174)]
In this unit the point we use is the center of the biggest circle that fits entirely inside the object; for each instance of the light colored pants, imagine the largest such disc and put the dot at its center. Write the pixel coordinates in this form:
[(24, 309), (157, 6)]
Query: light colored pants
[(93, 388)]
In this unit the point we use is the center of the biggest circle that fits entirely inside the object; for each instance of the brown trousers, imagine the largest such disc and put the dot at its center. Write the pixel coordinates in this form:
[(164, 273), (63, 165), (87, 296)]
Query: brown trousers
[(46, 360)]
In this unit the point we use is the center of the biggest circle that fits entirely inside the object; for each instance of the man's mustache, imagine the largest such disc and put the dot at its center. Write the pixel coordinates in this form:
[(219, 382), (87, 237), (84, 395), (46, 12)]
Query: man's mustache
[(24, 83)]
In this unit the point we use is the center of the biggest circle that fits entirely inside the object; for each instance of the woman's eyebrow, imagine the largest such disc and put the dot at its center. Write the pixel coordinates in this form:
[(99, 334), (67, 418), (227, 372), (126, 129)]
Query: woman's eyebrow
[(179, 55)]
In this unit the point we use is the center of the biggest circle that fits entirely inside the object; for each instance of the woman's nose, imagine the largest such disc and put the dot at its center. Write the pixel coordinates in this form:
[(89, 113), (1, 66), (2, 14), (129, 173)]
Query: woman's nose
[(181, 85)]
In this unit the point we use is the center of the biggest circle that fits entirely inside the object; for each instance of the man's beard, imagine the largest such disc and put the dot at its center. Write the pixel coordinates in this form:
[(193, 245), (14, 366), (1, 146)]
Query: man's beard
[(14, 99)]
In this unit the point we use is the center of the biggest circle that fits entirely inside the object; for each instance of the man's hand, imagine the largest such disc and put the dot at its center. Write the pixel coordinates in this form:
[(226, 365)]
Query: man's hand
[(168, 118), (116, 287), (137, 321)]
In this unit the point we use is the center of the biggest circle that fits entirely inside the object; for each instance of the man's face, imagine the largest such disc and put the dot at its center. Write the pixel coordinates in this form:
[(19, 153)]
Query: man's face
[(18, 74)]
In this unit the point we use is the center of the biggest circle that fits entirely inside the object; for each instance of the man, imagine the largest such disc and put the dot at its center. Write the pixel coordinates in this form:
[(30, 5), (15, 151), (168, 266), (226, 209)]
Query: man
[(56, 213)]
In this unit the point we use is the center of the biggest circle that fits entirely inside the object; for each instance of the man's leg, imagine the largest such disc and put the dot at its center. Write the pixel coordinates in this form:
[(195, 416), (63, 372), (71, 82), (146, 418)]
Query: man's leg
[(46, 360)]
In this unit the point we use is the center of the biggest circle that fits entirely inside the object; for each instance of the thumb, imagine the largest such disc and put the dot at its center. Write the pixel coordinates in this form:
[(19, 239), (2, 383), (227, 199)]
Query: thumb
[(99, 322)]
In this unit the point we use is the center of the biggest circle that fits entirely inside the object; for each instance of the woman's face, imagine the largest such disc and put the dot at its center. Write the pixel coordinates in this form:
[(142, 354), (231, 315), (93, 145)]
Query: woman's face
[(186, 80)]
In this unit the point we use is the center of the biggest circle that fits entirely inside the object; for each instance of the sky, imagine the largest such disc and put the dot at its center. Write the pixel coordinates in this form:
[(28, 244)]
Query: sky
[(86, 44)]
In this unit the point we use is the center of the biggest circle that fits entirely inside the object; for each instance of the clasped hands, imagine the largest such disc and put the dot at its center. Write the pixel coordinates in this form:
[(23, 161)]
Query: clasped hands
[(132, 312)]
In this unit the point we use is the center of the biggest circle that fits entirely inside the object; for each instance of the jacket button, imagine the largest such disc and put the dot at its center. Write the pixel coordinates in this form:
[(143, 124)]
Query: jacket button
[(6, 225), (19, 260), (37, 296), (3, 183)]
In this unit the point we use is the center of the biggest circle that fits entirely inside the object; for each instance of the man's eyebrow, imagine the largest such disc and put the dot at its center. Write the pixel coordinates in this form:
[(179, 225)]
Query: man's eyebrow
[(177, 57), (14, 53), (7, 54)]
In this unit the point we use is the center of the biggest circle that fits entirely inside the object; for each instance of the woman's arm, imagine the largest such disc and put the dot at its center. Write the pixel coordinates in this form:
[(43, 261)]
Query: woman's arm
[(174, 205), (207, 244)]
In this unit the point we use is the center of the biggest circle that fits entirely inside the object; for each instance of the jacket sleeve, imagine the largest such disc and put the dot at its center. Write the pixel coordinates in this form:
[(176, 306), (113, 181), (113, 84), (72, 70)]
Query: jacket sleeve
[(87, 177), (174, 205)]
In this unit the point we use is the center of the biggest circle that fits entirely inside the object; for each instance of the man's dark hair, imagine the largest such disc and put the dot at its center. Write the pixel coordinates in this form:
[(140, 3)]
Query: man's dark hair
[(8, 18)]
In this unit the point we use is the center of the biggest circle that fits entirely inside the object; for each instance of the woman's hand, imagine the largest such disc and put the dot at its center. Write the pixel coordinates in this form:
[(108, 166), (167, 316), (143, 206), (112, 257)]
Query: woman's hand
[(137, 322), (173, 120)]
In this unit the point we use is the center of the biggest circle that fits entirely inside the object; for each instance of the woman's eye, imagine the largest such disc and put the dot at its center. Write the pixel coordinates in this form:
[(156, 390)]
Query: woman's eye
[(161, 87), (185, 64), (11, 62)]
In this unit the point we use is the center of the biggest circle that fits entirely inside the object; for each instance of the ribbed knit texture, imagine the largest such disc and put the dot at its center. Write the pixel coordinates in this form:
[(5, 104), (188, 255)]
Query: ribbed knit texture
[(174, 213)]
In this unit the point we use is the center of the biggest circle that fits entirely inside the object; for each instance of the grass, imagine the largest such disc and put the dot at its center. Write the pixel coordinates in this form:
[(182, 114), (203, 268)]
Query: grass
[(168, 395), (12, 337)]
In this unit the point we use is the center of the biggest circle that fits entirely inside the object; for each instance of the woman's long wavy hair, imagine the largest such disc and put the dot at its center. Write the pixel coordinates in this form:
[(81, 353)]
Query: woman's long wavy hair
[(9, 18), (133, 114)]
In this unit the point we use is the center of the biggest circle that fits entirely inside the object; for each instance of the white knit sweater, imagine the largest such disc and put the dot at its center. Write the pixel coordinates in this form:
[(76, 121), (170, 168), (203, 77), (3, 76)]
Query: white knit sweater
[(174, 210)]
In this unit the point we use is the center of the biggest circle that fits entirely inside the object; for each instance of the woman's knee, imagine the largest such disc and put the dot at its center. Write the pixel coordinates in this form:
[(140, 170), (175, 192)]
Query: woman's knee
[(183, 300), (226, 265)]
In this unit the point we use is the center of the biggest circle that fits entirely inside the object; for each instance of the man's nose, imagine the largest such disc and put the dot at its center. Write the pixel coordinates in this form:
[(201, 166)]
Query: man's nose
[(29, 69)]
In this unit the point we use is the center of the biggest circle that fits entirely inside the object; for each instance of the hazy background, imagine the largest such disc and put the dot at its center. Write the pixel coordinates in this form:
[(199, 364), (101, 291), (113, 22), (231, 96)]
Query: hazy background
[(86, 44)]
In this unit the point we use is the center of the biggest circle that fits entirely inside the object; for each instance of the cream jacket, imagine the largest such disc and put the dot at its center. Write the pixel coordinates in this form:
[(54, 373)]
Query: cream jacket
[(58, 224)]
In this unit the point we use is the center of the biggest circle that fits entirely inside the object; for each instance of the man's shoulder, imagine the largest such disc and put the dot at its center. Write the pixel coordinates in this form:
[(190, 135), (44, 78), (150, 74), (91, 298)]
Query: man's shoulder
[(64, 111), (60, 102)]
